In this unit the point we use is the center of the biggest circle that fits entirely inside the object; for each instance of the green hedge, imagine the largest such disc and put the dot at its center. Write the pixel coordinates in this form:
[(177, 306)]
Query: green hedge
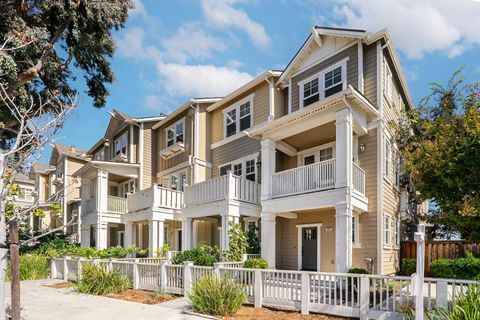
[(200, 256), (462, 268), (255, 263), (409, 266)]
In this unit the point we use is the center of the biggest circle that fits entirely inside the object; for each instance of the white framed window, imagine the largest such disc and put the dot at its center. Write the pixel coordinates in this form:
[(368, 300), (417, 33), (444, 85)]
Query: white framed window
[(355, 231), (387, 225), (100, 154), (59, 171), (238, 117), (388, 158), (397, 233), (323, 84), (249, 222), (316, 154), (175, 133), (245, 167), (388, 81), (121, 144), (396, 170), (128, 187), (175, 181)]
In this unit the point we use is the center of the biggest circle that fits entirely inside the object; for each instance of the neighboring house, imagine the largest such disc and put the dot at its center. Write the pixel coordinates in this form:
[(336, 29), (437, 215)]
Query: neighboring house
[(43, 176), (120, 163), (24, 198)]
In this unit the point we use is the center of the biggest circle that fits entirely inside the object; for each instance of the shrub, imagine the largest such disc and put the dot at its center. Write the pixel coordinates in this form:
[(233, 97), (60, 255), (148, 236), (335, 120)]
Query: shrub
[(96, 279), (237, 244), (32, 267), (466, 306), (409, 266), (358, 271), (200, 256), (162, 252), (256, 263), (213, 296), (462, 268), (253, 243)]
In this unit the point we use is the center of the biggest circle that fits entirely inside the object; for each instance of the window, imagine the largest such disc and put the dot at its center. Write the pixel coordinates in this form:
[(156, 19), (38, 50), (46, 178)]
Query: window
[(129, 187), (238, 117), (182, 181), (225, 169), (317, 154), (174, 182), (100, 155), (388, 158), (308, 160), (388, 230), (396, 168), (324, 84), (333, 82), (245, 168), (326, 154), (59, 171), (250, 170), (175, 133), (310, 92), (387, 83), (355, 230), (121, 145), (397, 233)]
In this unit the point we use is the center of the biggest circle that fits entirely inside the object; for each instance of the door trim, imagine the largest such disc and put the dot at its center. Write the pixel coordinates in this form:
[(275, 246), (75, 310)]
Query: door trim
[(299, 242)]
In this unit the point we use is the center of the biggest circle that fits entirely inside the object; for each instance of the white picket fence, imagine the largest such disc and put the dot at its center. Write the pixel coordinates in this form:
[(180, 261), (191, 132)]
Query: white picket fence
[(348, 295)]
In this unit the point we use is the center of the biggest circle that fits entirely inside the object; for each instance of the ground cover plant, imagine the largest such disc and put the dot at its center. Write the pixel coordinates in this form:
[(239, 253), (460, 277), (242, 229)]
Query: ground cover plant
[(96, 279)]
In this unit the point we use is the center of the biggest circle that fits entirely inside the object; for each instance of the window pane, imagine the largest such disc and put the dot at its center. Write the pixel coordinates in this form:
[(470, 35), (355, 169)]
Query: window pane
[(311, 100), (250, 170), (225, 169), (308, 160), (333, 90), (244, 123), (310, 92), (231, 116), (245, 109), (237, 169), (326, 154), (231, 129)]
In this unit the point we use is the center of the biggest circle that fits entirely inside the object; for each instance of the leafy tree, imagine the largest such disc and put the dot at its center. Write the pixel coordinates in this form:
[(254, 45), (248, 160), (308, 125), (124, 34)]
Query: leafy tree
[(237, 243), (253, 243), (440, 142), (47, 41)]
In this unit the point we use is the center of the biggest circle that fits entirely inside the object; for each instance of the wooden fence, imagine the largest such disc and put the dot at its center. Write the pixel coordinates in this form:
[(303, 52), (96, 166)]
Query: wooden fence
[(440, 250)]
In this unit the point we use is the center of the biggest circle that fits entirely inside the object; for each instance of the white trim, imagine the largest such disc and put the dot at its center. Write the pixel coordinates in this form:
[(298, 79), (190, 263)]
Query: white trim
[(290, 96), (316, 152), (389, 244), (299, 243), (360, 67), (356, 244), (380, 151), (223, 142), (242, 161), (130, 143), (174, 127), (196, 142), (236, 107), (173, 169), (321, 80), (140, 156), (379, 79)]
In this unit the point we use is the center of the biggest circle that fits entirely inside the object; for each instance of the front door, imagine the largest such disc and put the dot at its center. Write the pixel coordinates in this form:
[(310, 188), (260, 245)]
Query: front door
[(309, 248)]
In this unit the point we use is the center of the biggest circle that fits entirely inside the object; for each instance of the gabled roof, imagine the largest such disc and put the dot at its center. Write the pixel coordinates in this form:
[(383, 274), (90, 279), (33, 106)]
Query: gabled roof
[(40, 168), (66, 151), (355, 34), (23, 178)]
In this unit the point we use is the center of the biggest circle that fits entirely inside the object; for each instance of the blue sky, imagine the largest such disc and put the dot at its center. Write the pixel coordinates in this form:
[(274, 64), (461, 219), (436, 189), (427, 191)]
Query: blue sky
[(170, 51)]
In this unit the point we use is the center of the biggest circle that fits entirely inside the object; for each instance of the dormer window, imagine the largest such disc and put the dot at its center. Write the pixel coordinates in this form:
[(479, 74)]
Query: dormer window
[(175, 133), (238, 117), (121, 145), (323, 84)]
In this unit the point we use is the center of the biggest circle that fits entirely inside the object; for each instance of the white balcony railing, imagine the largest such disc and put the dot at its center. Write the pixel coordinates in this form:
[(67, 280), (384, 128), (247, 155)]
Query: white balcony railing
[(90, 205), (313, 177), (358, 176), (228, 186), (116, 204), (155, 196)]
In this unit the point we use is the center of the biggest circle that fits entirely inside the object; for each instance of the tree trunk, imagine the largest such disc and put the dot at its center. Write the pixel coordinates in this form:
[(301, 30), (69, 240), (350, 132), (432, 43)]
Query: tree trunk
[(15, 270), (3, 240)]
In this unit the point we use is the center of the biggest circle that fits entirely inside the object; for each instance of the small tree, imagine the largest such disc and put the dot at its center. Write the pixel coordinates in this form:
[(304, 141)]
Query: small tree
[(237, 243), (253, 243)]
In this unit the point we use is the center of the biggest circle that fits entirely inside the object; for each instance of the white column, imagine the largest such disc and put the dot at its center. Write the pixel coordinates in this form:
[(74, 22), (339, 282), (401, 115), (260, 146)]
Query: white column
[(224, 239), (134, 235), (419, 275), (186, 234), (344, 148), (102, 191), (343, 237), (101, 233), (268, 238), (268, 166), (128, 241), (140, 235), (85, 236), (155, 236)]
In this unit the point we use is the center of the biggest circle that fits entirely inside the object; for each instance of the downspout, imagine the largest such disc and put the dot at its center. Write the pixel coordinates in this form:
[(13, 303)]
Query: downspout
[(380, 151), (194, 140), (271, 97)]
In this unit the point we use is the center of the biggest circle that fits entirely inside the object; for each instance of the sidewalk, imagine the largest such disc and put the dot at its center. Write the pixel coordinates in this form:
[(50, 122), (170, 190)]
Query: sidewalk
[(44, 303)]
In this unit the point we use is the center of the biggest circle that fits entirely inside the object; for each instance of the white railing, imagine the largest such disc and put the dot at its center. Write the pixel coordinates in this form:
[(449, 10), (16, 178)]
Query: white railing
[(340, 294), (116, 204), (313, 177), (247, 256), (358, 176), (90, 205), (155, 196), (228, 186)]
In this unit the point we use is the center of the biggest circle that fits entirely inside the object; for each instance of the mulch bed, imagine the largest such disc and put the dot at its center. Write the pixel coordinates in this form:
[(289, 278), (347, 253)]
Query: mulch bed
[(60, 285), (247, 313), (141, 296)]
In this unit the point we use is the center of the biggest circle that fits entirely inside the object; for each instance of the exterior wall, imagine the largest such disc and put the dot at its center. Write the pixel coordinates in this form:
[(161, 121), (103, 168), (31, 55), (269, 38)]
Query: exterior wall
[(73, 188), (280, 105), (149, 155), (370, 73), (231, 151), (352, 72)]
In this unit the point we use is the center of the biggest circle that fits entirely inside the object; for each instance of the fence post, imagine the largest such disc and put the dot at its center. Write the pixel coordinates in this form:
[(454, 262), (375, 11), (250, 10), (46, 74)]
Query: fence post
[(216, 269), (187, 277), (65, 269), (244, 257), (53, 268), (110, 265), (420, 239), (163, 276), (169, 256), (364, 297), (305, 293), (257, 289), (135, 277), (442, 295)]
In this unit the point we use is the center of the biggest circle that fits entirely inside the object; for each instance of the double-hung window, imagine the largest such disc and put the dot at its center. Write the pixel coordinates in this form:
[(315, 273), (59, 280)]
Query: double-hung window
[(245, 168), (175, 133), (388, 81), (250, 169), (59, 171), (121, 145), (396, 168), (333, 82), (387, 225), (238, 117), (311, 93), (388, 158)]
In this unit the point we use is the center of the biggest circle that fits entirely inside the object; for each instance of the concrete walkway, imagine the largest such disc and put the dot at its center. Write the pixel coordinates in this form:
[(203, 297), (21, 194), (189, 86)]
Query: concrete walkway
[(40, 302)]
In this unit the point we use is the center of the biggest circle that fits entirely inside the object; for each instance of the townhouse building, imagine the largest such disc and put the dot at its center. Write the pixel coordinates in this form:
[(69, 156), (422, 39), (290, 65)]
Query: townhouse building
[(24, 196), (43, 176)]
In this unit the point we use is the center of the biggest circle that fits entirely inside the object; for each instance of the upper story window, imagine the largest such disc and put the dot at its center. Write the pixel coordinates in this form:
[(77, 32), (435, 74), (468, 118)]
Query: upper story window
[(59, 171), (100, 155), (238, 117), (323, 84), (388, 166), (175, 133), (121, 145), (128, 187), (355, 230), (396, 170), (387, 80), (316, 154), (245, 167), (387, 225)]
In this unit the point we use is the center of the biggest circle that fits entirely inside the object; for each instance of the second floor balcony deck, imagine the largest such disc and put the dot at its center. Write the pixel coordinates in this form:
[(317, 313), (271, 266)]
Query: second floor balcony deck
[(115, 204), (155, 197)]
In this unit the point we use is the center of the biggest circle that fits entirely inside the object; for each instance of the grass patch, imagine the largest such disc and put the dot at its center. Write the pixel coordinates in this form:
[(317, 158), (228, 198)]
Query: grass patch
[(96, 279)]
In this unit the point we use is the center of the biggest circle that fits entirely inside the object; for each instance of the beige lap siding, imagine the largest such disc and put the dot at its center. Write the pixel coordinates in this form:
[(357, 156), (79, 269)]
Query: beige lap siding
[(149, 153), (232, 151), (370, 73)]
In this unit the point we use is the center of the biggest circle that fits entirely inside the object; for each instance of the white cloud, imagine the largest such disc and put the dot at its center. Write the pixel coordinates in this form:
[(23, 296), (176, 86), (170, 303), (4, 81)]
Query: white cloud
[(131, 44), (138, 10), (417, 27), (221, 13), (153, 102), (200, 80), (191, 41)]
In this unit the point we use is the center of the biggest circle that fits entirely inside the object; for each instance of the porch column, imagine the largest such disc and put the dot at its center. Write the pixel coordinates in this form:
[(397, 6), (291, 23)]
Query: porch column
[(343, 237), (344, 146), (128, 241), (224, 239), (155, 236), (102, 190), (101, 233), (186, 233), (268, 166), (268, 238), (134, 235), (85, 236), (140, 235)]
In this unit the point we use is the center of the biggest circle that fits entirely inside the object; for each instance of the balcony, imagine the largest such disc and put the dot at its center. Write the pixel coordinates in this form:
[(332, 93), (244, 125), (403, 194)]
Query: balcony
[(227, 187), (312, 178), (116, 204), (155, 197)]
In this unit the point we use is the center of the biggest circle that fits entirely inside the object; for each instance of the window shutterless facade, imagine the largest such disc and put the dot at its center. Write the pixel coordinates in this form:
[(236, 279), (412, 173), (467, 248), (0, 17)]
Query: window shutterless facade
[(238, 117), (175, 133), (121, 144)]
